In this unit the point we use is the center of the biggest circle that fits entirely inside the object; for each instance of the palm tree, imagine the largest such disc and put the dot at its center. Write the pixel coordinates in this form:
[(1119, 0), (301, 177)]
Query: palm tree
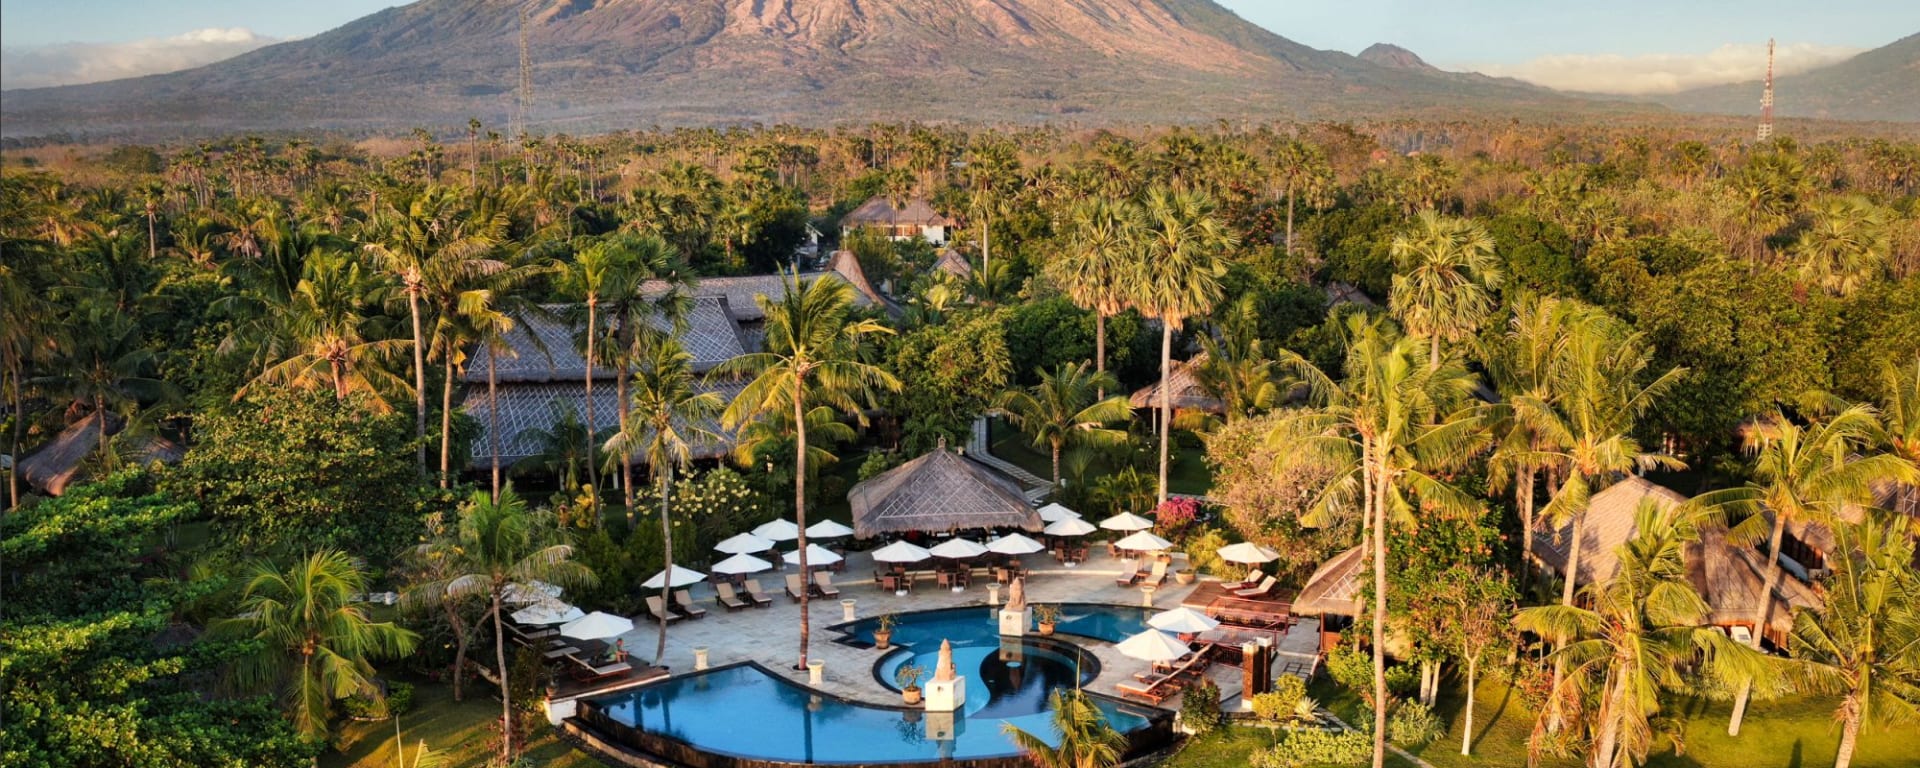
[(430, 243), (1523, 365), (489, 315), (990, 165), (1865, 646), (23, 333), (335, 332), (1900, 420), (1084, 738), (313, 641), (1804, 474), (106, 367), (1095, 268), (1846, 246), (1300, 169), (564, 449), (812, 355), (642, 282), (1381, 435), (1639, 639), (1064, 410), (672, 415), (1177, 273), (1237, 369), (501, 544), (1443, 286)]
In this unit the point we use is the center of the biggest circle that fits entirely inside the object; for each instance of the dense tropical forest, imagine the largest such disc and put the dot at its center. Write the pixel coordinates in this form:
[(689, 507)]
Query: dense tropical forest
[(242, 363)]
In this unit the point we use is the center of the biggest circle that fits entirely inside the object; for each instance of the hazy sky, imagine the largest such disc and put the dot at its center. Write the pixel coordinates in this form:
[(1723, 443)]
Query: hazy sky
[(1617, 45)]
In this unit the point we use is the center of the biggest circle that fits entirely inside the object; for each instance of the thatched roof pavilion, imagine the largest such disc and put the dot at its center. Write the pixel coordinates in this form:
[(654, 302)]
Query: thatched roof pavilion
[(941, 491), (1183, 381), (952, 263), (1334, 587), (57, 464)]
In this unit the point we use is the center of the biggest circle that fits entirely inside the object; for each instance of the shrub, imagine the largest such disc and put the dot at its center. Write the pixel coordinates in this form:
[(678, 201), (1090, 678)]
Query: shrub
[(1413, 724), (1316, 747), (1200, 708), (1401, 680), (398, 699), (1278, 704), (1351, 669)]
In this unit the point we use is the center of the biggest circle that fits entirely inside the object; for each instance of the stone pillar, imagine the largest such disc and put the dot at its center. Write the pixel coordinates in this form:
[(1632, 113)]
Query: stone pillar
[(699, 657), (816, 672), (846, 610)]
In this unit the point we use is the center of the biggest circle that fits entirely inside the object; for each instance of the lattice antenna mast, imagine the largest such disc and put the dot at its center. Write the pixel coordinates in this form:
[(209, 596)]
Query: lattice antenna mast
[(1766, 100)]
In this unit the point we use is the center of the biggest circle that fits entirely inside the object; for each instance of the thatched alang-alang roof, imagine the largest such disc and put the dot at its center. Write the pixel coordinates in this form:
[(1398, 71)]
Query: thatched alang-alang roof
[(1334, 587), (56, 464), (880, 211), (1183, 381), (952, 263), (1609, 523), (941, 491)]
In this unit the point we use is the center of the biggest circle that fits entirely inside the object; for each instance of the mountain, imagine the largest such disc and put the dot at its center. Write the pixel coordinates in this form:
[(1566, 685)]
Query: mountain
[(606, 64), (1881, 84), (1395, 57)]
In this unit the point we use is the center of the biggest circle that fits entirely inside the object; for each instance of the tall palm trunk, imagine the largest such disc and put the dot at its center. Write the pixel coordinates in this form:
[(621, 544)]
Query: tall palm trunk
[(1099, 350), (800, 510), (1849, 731), (1433, 354), (593, 470), (446, 424), (419, 375), (626, 463), (666, 535), (1380, 615), (153, 247), (986, 242), (1166, 401), (493, 423), (1771, 582), (1523, 498), (1466, 735), (1554, 717), (19, 423), (1289, 218), (460, 639), (506, 693), (1056, 463)]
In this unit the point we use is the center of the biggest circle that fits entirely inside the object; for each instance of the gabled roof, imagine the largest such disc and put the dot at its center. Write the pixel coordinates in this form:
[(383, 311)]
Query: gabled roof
[(1609, 523), (545, 351), (742, 291), (1183, 381), (1334, 587), (952, 263), (878, 210), (57, 463), (941, 491), (529, 409)]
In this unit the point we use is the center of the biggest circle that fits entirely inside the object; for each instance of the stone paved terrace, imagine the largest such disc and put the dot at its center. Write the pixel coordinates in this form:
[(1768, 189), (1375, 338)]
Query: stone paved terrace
[(769, 636)]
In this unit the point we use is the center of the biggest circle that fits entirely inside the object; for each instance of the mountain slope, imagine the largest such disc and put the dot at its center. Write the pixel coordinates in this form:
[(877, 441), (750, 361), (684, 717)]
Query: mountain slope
[(601, 64), (1881, 84)]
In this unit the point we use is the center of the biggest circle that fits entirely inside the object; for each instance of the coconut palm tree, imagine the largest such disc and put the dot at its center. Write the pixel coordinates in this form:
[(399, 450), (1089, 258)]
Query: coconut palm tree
[(1900, 420), (1445, 277), (671, 417), (1177, 271), (991, 166), (497, 545), (1522, 363), (565, 450), (310, 638), (1639, 639), (1237, 369), (811, 356), (645, 286), (24, 327), (106, 366), (1300, 169), (1083, 737), (335, 331), (1846, 246), (1865, 646), (1095, 267), (1064, 410), (1804, 474)]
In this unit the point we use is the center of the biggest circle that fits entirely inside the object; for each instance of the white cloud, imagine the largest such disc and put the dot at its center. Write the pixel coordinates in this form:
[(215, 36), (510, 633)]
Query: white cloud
[(71, 63), (1667, 72)]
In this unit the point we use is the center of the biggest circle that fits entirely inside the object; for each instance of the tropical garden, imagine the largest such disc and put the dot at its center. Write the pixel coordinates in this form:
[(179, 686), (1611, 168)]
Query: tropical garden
[(245, 358)]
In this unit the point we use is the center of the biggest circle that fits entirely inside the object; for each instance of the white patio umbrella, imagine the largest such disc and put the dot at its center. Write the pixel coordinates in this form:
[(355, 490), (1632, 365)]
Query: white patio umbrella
[(1143, 541), (530, 592), (816, 556), (1014, 544), (596, 626), (744, 543), (1153, 645), (1071, 526), (1248, 552), (681, 577), (1055, 512), (1183, 621), (547, 612), (901, 552), (1126, 521), (741, 563), (958, 549), (828, 529), (778, 530)]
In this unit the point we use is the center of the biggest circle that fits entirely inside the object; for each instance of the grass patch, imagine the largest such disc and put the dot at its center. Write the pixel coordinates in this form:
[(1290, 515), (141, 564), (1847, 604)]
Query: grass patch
[(1188, 472), (459, 730)]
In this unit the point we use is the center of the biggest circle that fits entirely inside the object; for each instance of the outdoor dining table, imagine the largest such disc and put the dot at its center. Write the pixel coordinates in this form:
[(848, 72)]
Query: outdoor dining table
[(896, 582)]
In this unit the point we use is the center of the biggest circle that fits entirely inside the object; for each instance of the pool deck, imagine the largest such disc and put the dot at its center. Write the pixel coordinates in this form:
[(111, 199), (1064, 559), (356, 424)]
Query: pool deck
[(770, 636)]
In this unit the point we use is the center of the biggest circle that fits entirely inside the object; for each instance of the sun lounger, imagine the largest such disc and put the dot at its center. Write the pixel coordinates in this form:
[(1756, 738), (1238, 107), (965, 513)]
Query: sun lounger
[(823, 583), (532, 634), (1129, 573), (724, 595), (683, 602), (1252, 577), (795, 589), (758, 594), (659, 610), (584, 670), (1157, 576), (1261, 590), (565, 650)]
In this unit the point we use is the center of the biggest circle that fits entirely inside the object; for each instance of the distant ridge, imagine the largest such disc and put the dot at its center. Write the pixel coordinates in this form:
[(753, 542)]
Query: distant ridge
[(1396, 57), (1881, 84)]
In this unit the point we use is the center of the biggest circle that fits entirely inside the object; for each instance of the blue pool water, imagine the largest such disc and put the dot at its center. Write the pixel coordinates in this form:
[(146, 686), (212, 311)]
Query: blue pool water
[(1109, 623)]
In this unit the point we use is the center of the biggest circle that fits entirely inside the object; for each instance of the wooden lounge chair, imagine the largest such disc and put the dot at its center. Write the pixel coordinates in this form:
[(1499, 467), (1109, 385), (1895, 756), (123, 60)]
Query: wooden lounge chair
[(1252, 577), (1154, 692), (823, 584), (724, 595), (532, 634), (565, 650), (758, 594), (1129, 573), (795, 589), (1260, 590), (659, 610), (683, 602), (1157, 576), (585, 670)]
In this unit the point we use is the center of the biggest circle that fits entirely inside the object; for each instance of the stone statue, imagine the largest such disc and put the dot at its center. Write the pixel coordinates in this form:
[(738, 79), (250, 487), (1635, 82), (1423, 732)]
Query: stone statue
[(943, 671), (1017, 594)]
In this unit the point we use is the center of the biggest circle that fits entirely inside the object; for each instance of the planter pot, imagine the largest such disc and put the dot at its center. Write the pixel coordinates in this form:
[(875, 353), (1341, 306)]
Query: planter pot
[(883, 639), (1046, 628), (912, 695), (1183, 577)]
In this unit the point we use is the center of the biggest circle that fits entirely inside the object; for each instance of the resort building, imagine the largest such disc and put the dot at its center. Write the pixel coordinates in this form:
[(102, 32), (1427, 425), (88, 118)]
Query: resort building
[(1189, 394), (938, 493), (915, 219)]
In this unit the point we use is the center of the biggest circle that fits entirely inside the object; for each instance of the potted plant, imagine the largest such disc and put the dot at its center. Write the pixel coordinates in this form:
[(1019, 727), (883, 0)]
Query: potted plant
[(908, 676), (1046, 616), (883, 632)]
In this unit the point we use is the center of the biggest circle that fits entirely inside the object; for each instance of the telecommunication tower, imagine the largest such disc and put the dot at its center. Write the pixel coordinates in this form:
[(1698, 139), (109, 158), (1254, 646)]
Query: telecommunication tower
[(1766, 100)]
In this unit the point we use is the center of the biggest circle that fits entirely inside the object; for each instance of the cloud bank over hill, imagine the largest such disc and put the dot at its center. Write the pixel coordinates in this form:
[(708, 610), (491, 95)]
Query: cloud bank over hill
[(74, 63), (1667, 72)]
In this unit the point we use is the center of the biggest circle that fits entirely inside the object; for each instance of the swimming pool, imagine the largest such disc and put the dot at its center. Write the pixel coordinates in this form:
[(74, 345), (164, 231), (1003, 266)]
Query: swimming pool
[(1107, 623)]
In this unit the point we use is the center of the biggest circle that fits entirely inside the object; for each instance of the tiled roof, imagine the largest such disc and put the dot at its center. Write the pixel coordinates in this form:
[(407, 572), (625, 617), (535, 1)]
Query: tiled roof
[(941, 491), (879, 210), (741, 292), (546, 351), (529, 409)]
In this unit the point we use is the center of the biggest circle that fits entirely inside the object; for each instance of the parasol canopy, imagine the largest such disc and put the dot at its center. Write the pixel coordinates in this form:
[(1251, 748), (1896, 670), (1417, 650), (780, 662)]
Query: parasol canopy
[(816, 556), (1126, 521), (1056, 512), (1183, 621), (828, 529), (1143, 541), (1248, 553), (547, 612), (778, 530), (1071, 526), (958, 549), (1014, 544), (741, 563), (681, 577), (744, 543), (901, 552), (596, 626), (1153, 645)]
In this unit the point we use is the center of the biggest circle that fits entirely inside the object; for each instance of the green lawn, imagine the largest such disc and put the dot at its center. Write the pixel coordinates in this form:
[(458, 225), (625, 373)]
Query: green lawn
[(1785, 733), (460, 730), (1187, 474)]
